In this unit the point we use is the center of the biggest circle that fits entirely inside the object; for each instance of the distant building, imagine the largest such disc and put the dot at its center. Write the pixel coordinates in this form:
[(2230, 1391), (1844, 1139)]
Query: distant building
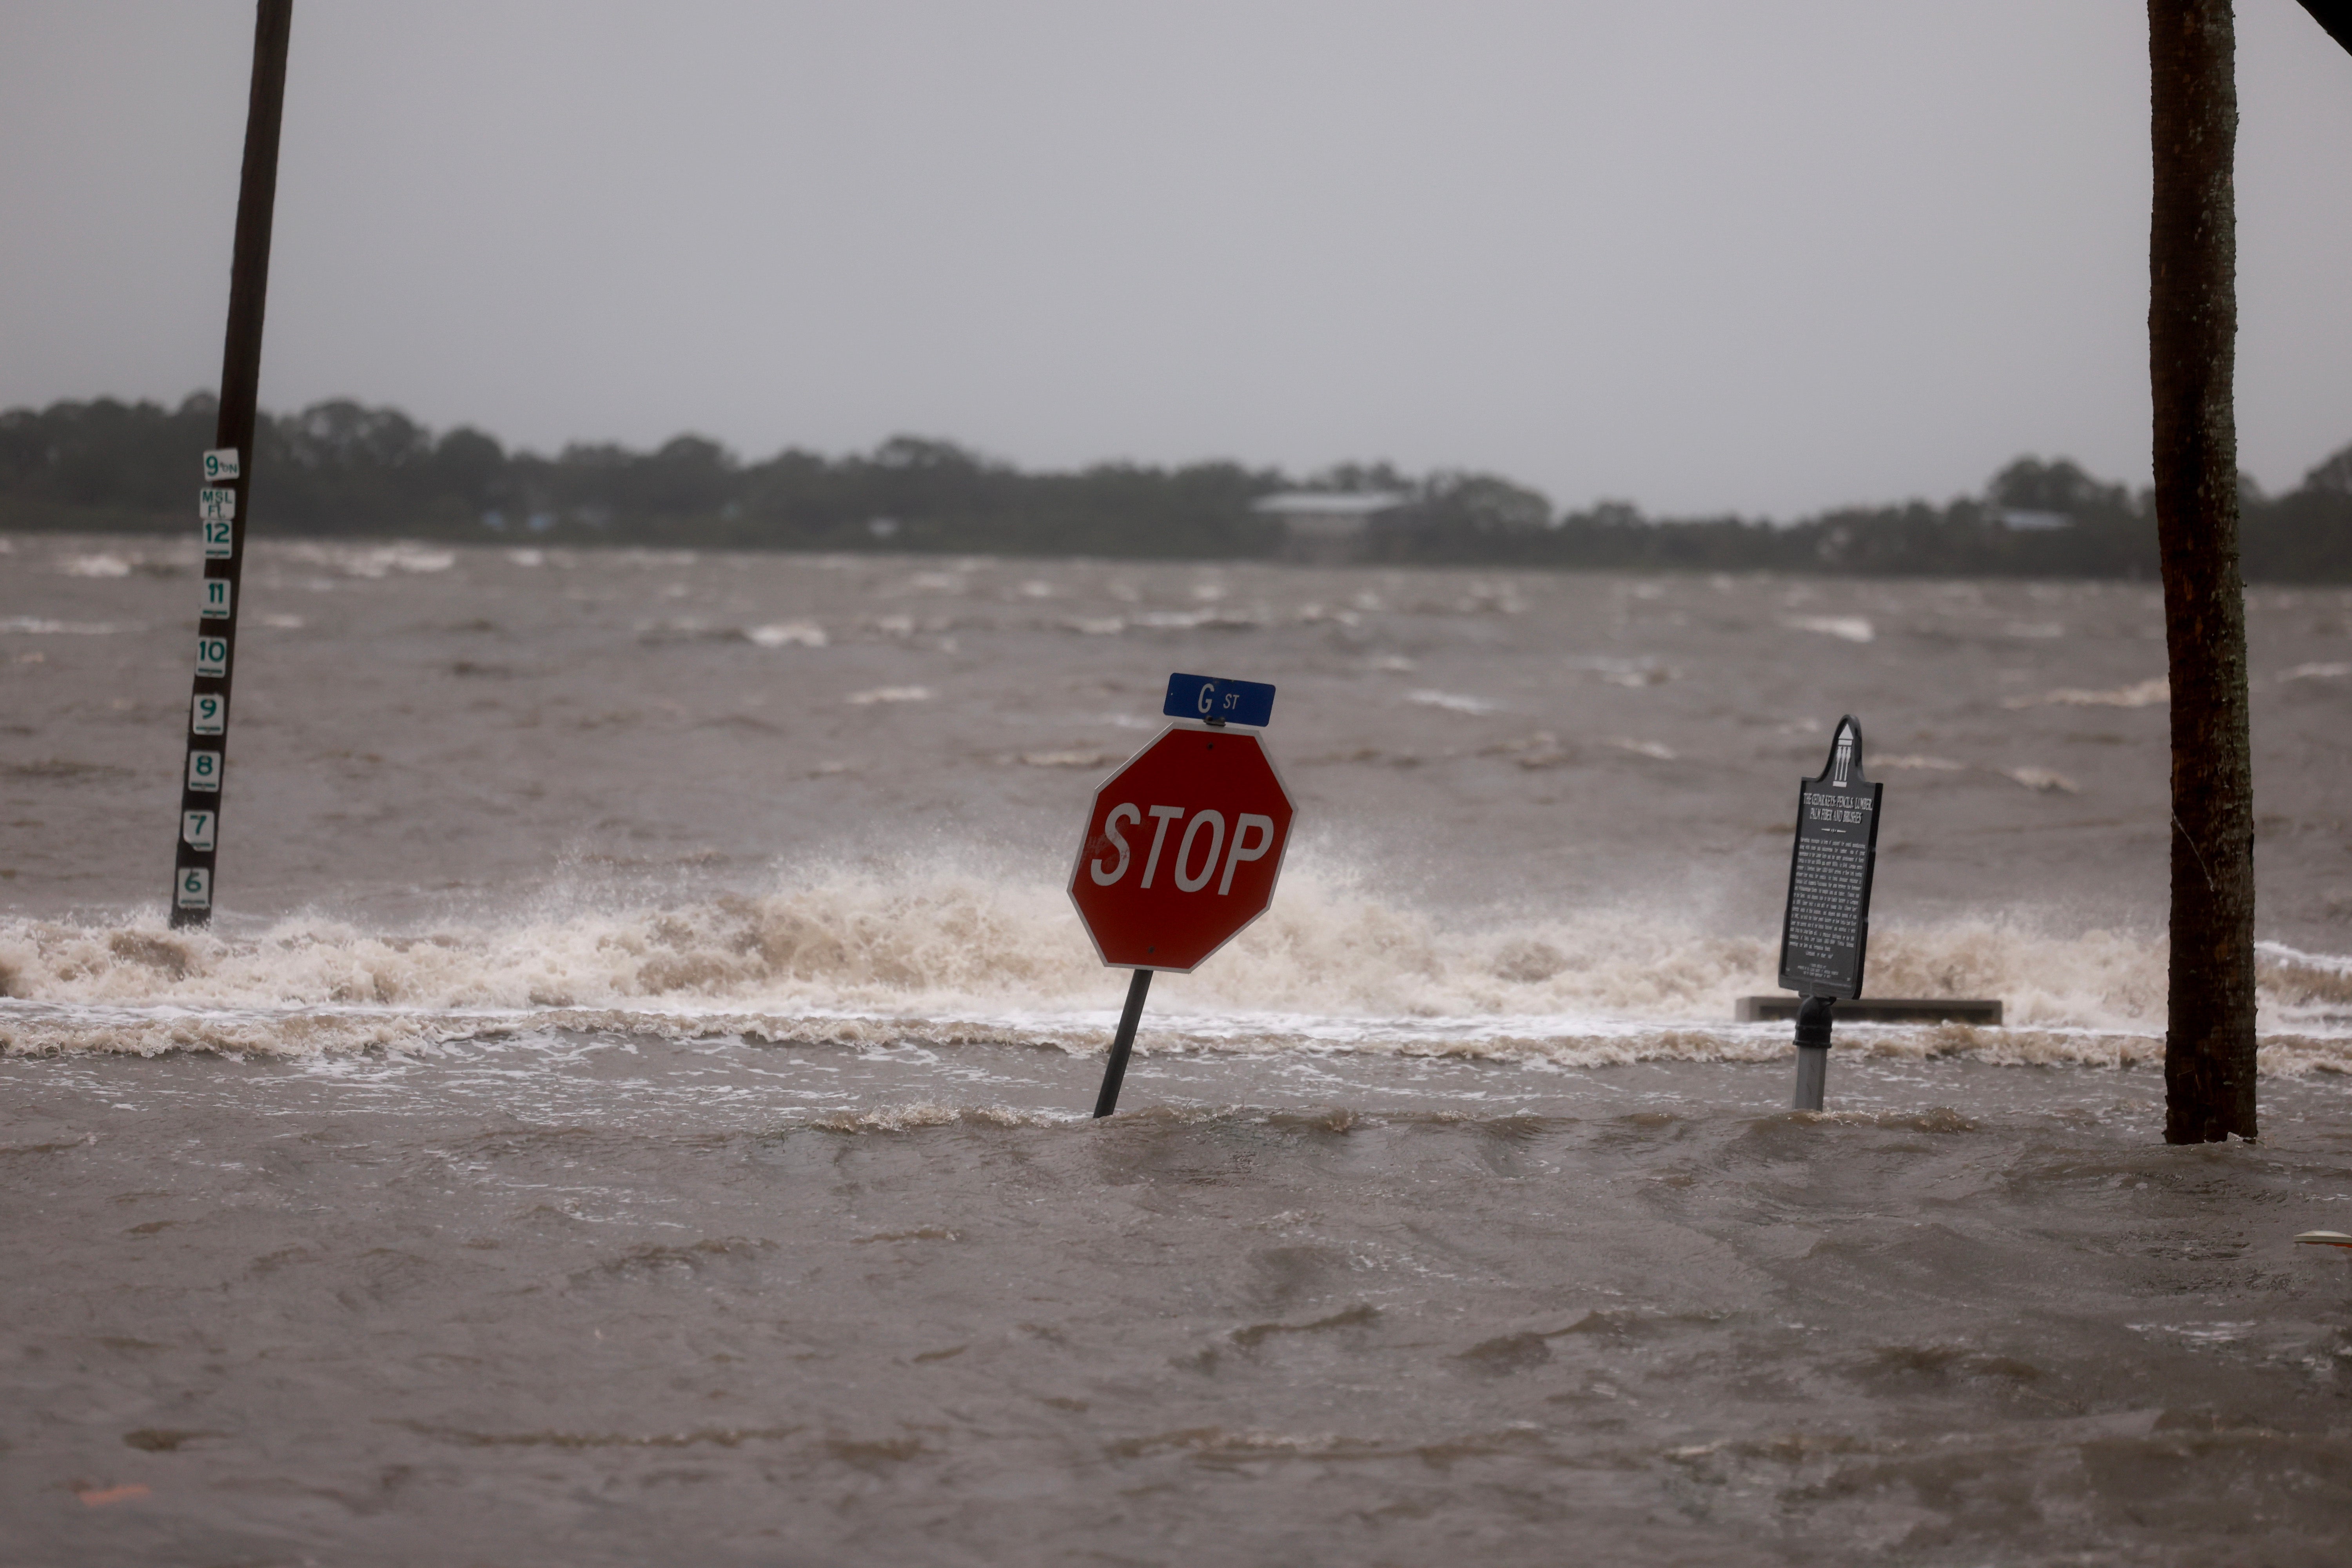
[(2018, 519), (1325, 525)]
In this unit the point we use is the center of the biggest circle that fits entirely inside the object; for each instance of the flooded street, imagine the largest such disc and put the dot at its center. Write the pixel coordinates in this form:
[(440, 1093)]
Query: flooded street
[(632, 1107)]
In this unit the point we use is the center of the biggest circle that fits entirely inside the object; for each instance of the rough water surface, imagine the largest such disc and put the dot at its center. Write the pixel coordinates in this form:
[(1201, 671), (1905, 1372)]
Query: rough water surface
[(631, 1108)]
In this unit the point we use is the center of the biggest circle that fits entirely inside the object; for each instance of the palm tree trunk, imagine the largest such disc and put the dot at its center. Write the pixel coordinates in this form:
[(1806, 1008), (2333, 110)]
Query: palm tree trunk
[(2193, 324)]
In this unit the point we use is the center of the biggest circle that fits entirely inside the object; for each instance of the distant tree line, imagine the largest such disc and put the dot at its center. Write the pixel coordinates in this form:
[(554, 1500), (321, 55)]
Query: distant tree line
[(341, 468)]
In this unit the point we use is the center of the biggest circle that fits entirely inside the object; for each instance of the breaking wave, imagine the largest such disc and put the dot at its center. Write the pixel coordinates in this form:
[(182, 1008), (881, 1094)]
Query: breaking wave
[(949, 956)]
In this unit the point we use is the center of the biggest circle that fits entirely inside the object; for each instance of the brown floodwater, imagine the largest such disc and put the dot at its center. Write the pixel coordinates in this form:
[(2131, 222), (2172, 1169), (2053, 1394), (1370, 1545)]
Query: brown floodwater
[(631, 1106)]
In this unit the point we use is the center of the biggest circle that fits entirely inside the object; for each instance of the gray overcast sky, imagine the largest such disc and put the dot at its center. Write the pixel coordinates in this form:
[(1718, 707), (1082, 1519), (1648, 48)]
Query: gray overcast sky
[(1707, 254)]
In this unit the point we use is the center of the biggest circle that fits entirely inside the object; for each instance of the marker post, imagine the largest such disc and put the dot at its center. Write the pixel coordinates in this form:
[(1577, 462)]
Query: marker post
[(1115, 1071), (1814, 1020), (227, 479)]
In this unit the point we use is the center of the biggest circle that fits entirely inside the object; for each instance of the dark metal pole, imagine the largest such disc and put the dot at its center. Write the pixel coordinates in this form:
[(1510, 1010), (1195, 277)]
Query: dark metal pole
[(1812, 1050), (1108, 1101), (202, 773)]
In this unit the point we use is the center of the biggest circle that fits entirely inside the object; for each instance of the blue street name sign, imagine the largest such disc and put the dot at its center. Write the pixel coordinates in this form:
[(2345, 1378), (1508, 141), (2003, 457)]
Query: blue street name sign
[(1218, 701)]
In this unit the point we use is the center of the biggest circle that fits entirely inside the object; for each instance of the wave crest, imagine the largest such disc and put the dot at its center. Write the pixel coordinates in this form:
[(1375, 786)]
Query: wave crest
[(862, 952)]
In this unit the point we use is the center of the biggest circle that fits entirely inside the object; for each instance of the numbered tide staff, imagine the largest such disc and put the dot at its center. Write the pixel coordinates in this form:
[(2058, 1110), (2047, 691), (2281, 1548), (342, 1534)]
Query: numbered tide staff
[(207, 749), (1184, 845), (1825, 928), (229, 473)]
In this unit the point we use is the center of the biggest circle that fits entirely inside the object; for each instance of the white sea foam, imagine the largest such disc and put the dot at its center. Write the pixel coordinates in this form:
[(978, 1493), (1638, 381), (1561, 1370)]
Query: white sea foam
[(943, 955), (1852, 628), (369, 560), (1453, 702), (41, 626), (789, 633), (2143, 694)]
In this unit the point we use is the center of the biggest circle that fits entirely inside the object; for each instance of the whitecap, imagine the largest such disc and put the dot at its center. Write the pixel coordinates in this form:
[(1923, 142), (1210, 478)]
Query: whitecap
[(789, 633), (1852, 628), (1454, 702)]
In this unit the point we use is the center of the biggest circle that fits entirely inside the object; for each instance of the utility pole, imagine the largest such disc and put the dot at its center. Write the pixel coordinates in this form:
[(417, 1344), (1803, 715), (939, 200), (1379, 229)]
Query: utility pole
[(228, 480), (2192, 325)]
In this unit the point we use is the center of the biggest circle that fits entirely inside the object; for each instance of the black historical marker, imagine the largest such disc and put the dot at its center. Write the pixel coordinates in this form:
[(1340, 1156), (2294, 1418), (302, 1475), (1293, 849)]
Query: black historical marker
[(1825, 930)]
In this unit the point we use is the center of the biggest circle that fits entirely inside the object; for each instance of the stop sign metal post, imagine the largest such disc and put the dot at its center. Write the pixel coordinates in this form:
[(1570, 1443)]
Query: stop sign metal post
[(1183, 845)]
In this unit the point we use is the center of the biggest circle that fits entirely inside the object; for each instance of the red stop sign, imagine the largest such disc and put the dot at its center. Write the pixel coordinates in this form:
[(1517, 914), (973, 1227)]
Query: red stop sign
[(1181, 848)]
